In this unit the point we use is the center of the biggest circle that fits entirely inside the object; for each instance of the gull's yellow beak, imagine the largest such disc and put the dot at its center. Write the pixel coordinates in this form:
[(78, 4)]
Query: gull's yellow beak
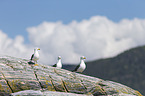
[(38, 49), (84, 57)]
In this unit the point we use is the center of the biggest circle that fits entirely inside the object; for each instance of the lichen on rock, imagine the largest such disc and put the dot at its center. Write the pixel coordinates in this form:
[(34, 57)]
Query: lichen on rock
[(17, 75)]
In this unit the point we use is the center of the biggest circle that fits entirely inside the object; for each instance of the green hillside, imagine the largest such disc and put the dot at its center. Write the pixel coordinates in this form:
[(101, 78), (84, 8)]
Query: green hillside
[(127, 68)]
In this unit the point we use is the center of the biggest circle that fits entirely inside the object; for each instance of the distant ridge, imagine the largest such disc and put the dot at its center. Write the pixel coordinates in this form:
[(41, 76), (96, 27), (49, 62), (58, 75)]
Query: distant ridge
[(127, 68)]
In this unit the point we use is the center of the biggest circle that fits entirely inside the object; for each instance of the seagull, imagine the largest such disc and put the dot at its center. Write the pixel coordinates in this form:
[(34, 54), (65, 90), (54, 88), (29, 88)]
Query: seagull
[(35, 56), (58, 64), (82, 66)]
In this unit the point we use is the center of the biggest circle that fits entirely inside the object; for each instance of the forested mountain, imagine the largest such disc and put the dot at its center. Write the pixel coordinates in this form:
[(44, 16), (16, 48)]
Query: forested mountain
[(127, 68)]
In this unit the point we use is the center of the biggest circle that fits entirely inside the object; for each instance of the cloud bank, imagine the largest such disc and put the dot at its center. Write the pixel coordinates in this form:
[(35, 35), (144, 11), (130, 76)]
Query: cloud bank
[(95, 38)]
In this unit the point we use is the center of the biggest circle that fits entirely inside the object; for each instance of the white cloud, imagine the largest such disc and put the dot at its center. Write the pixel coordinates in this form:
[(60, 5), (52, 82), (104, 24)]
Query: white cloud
[(95, 38), (14, 47)]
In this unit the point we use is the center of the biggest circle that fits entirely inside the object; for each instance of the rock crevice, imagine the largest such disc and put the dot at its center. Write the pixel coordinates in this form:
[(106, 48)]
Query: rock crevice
[(17, 75)]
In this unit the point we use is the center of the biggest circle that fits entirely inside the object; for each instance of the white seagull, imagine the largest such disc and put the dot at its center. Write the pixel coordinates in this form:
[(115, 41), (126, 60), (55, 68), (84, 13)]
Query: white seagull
[(35, 56), (81, 67), (58, 64)]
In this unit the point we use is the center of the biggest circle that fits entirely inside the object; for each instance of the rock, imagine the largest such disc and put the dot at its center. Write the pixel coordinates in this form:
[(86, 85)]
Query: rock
[(17, 75), (45, 93)]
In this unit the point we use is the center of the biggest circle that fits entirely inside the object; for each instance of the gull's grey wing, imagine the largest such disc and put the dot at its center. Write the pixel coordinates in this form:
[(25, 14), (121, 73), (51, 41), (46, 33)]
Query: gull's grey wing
[(32, 56), (54, 65), (76, 68)]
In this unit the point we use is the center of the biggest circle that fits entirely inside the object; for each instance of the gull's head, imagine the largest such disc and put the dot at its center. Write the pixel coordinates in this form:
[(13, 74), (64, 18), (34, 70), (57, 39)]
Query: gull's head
[(59, 57), (36, 49), (83, 57)]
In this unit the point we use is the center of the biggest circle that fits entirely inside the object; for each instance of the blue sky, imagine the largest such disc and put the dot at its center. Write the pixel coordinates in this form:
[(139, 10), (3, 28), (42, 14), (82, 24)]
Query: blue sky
[(70, 28), (17, 15)]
